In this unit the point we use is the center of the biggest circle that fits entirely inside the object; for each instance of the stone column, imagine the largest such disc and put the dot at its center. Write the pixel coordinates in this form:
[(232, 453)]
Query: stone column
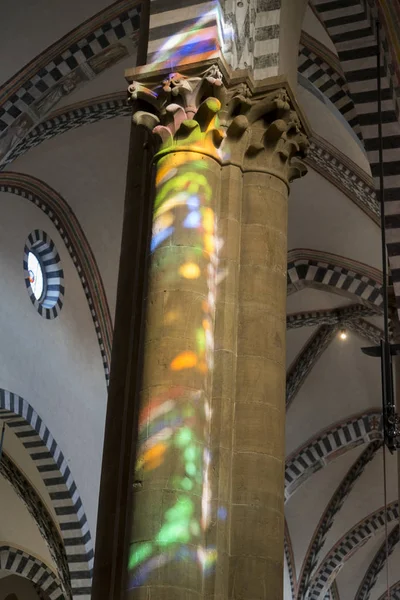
[(258, 441), (208, 518)]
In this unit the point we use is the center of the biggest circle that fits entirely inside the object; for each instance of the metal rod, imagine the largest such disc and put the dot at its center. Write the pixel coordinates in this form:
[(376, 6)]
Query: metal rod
[(382, 188), (386, 370), (386, 521)]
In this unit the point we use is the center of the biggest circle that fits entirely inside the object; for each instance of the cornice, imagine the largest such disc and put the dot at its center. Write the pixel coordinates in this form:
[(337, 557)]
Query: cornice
[(344, 174), (324, 158)]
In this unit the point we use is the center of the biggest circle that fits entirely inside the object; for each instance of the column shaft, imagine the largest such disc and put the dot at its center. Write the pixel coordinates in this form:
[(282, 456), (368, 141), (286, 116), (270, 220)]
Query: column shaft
[(168, 553), (257, 520), (224, 380)]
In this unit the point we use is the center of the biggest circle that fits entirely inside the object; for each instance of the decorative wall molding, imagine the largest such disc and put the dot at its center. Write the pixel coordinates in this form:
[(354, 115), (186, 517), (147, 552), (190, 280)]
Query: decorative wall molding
[(376, 566), (321, 339), (332, 316), (307, 359), (67, 225), (28, 426), (350, 179), (322, 270), (328, 444), (365, 330), (291, 564), (32, 568), (325, 523), (41, 516), (78, 57), (354, 539), (322, 156), (76, 115), (322, 68)]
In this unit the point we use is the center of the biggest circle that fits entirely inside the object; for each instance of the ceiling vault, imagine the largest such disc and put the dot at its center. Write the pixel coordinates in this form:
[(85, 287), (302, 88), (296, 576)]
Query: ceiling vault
[(49, 460), (325, 523), (40, 514), (328, 444), (354, 539), (376, 566), (307, 359), (63, 218)]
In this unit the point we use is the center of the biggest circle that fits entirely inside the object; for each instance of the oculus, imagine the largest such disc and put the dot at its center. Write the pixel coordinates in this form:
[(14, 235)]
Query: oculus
[(44, 277)]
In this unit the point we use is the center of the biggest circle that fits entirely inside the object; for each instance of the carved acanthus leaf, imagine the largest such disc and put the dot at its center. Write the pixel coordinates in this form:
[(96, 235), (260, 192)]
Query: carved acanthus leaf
[(260, 130)]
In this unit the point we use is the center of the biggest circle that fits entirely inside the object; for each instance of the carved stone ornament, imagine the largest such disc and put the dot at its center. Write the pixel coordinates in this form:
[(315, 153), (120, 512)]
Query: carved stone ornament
[(256, 128)]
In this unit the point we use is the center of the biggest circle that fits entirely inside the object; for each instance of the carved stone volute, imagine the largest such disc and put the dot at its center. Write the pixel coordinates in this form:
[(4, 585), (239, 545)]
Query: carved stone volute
[(233, 121)]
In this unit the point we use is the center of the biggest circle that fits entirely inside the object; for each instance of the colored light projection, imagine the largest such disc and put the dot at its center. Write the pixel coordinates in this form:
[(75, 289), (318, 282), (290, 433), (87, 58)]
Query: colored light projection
[(199, 41), (174, 425)]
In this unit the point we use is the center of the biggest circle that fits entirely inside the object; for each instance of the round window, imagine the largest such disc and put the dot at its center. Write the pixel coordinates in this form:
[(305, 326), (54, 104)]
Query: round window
[(44, 276), (35, 275)]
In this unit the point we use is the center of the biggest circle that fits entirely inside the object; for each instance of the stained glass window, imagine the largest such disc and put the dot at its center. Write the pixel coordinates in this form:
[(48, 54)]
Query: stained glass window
[(35, 275)]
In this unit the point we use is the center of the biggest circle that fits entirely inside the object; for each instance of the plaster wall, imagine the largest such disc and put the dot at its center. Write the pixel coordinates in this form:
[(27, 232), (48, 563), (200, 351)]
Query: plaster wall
[(331, 222), (343, 382), (381, 585), (55, 365), (314, 27), (22, 588), (87, 166), (109, 81), (328, 126), (19, 455), (305, 508), (366, 496), (25, 33), (291, 18), (351, 576), (17, 527)]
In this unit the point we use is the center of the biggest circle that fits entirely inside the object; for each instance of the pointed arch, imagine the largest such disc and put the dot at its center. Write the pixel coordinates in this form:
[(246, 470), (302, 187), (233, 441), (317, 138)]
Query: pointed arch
[(43, 449), (356, 45), (59, 212), (40, 514), (331, 272), (328, 444), (354, 539), (325, 523), (21, 563), (376, 565)]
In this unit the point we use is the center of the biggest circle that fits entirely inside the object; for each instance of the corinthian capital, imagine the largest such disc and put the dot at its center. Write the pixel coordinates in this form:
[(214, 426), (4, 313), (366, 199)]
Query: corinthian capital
[(257, 127)]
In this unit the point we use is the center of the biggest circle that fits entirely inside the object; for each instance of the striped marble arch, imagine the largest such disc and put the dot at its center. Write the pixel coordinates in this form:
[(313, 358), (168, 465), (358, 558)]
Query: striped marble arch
[(351, 26), (41, 515), (328, 444), (352, 541), (394, 592), (322, 270), (49, 460), (25, 565), (73, 236), (316, 544), (377, 564)]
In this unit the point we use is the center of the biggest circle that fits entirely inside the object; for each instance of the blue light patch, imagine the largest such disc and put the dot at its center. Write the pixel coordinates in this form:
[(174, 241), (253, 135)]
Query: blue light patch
[(193, 202), (193, 220), (160, 237)]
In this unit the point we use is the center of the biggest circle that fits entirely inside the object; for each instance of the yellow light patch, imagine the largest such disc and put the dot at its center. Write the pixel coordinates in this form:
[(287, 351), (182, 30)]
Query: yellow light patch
[(190, 270), (184, 360)]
